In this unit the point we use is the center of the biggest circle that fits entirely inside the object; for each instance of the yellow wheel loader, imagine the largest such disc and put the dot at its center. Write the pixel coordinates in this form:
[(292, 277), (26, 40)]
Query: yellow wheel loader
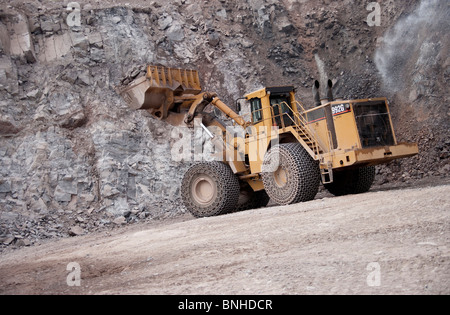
[(284, 151)]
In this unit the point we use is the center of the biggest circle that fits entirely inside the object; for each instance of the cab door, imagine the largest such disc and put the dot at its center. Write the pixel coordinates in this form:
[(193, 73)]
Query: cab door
[(282, 110)]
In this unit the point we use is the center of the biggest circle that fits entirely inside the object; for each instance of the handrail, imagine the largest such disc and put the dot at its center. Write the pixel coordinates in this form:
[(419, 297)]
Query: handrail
[(300, 124), (302, 127), (304, 122)]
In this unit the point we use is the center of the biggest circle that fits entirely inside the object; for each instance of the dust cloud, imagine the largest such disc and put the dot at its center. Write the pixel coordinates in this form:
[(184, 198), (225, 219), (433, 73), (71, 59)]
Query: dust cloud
[(414, 41)]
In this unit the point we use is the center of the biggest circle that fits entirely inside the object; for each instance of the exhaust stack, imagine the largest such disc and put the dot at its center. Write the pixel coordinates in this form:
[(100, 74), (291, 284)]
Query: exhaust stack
[(330, 91), (316, 93)]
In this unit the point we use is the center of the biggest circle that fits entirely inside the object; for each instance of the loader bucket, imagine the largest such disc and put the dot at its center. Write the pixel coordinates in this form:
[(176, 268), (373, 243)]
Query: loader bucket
[(158, 89)]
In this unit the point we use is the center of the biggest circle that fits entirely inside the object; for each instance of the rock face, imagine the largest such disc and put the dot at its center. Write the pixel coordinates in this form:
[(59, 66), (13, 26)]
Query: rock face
[(72, 154)]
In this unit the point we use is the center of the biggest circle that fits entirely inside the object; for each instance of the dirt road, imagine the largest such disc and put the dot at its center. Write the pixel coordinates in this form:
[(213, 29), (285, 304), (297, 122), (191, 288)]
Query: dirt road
[(382, 242)]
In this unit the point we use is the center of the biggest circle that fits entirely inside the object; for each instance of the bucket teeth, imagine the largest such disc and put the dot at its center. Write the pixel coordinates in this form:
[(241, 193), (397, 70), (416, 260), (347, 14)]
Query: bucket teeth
[(181, 81)]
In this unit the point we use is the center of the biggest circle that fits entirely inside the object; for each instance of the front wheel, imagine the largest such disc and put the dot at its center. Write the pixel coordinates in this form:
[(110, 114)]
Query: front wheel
[(210, 189)]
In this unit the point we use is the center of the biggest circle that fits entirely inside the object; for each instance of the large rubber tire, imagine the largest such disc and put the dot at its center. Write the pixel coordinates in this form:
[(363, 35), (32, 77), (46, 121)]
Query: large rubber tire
[(290, 175), (249, 199), (210, 189), (353, 181)]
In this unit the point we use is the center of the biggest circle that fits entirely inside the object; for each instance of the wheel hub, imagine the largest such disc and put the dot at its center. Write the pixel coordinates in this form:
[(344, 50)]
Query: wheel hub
[(280, 176), (203, 190)]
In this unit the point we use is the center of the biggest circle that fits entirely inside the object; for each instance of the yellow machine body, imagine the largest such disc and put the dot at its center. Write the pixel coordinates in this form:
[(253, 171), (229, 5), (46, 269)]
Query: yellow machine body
[(338, 134)]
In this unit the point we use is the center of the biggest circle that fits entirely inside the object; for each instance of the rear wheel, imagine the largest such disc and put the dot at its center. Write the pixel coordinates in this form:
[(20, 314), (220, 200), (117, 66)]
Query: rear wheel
[(290, 174), (353, 181), (209, 189)]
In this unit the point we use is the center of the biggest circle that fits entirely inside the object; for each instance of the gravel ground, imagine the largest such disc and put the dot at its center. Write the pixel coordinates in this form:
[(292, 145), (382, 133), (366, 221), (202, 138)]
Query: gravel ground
[(382, 242)]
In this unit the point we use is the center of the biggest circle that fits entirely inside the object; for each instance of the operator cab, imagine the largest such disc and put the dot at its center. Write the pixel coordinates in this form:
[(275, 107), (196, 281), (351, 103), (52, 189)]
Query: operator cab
[(272, 105)]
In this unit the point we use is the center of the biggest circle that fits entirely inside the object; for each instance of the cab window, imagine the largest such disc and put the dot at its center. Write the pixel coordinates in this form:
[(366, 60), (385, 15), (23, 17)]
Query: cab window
[(255, 105)]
